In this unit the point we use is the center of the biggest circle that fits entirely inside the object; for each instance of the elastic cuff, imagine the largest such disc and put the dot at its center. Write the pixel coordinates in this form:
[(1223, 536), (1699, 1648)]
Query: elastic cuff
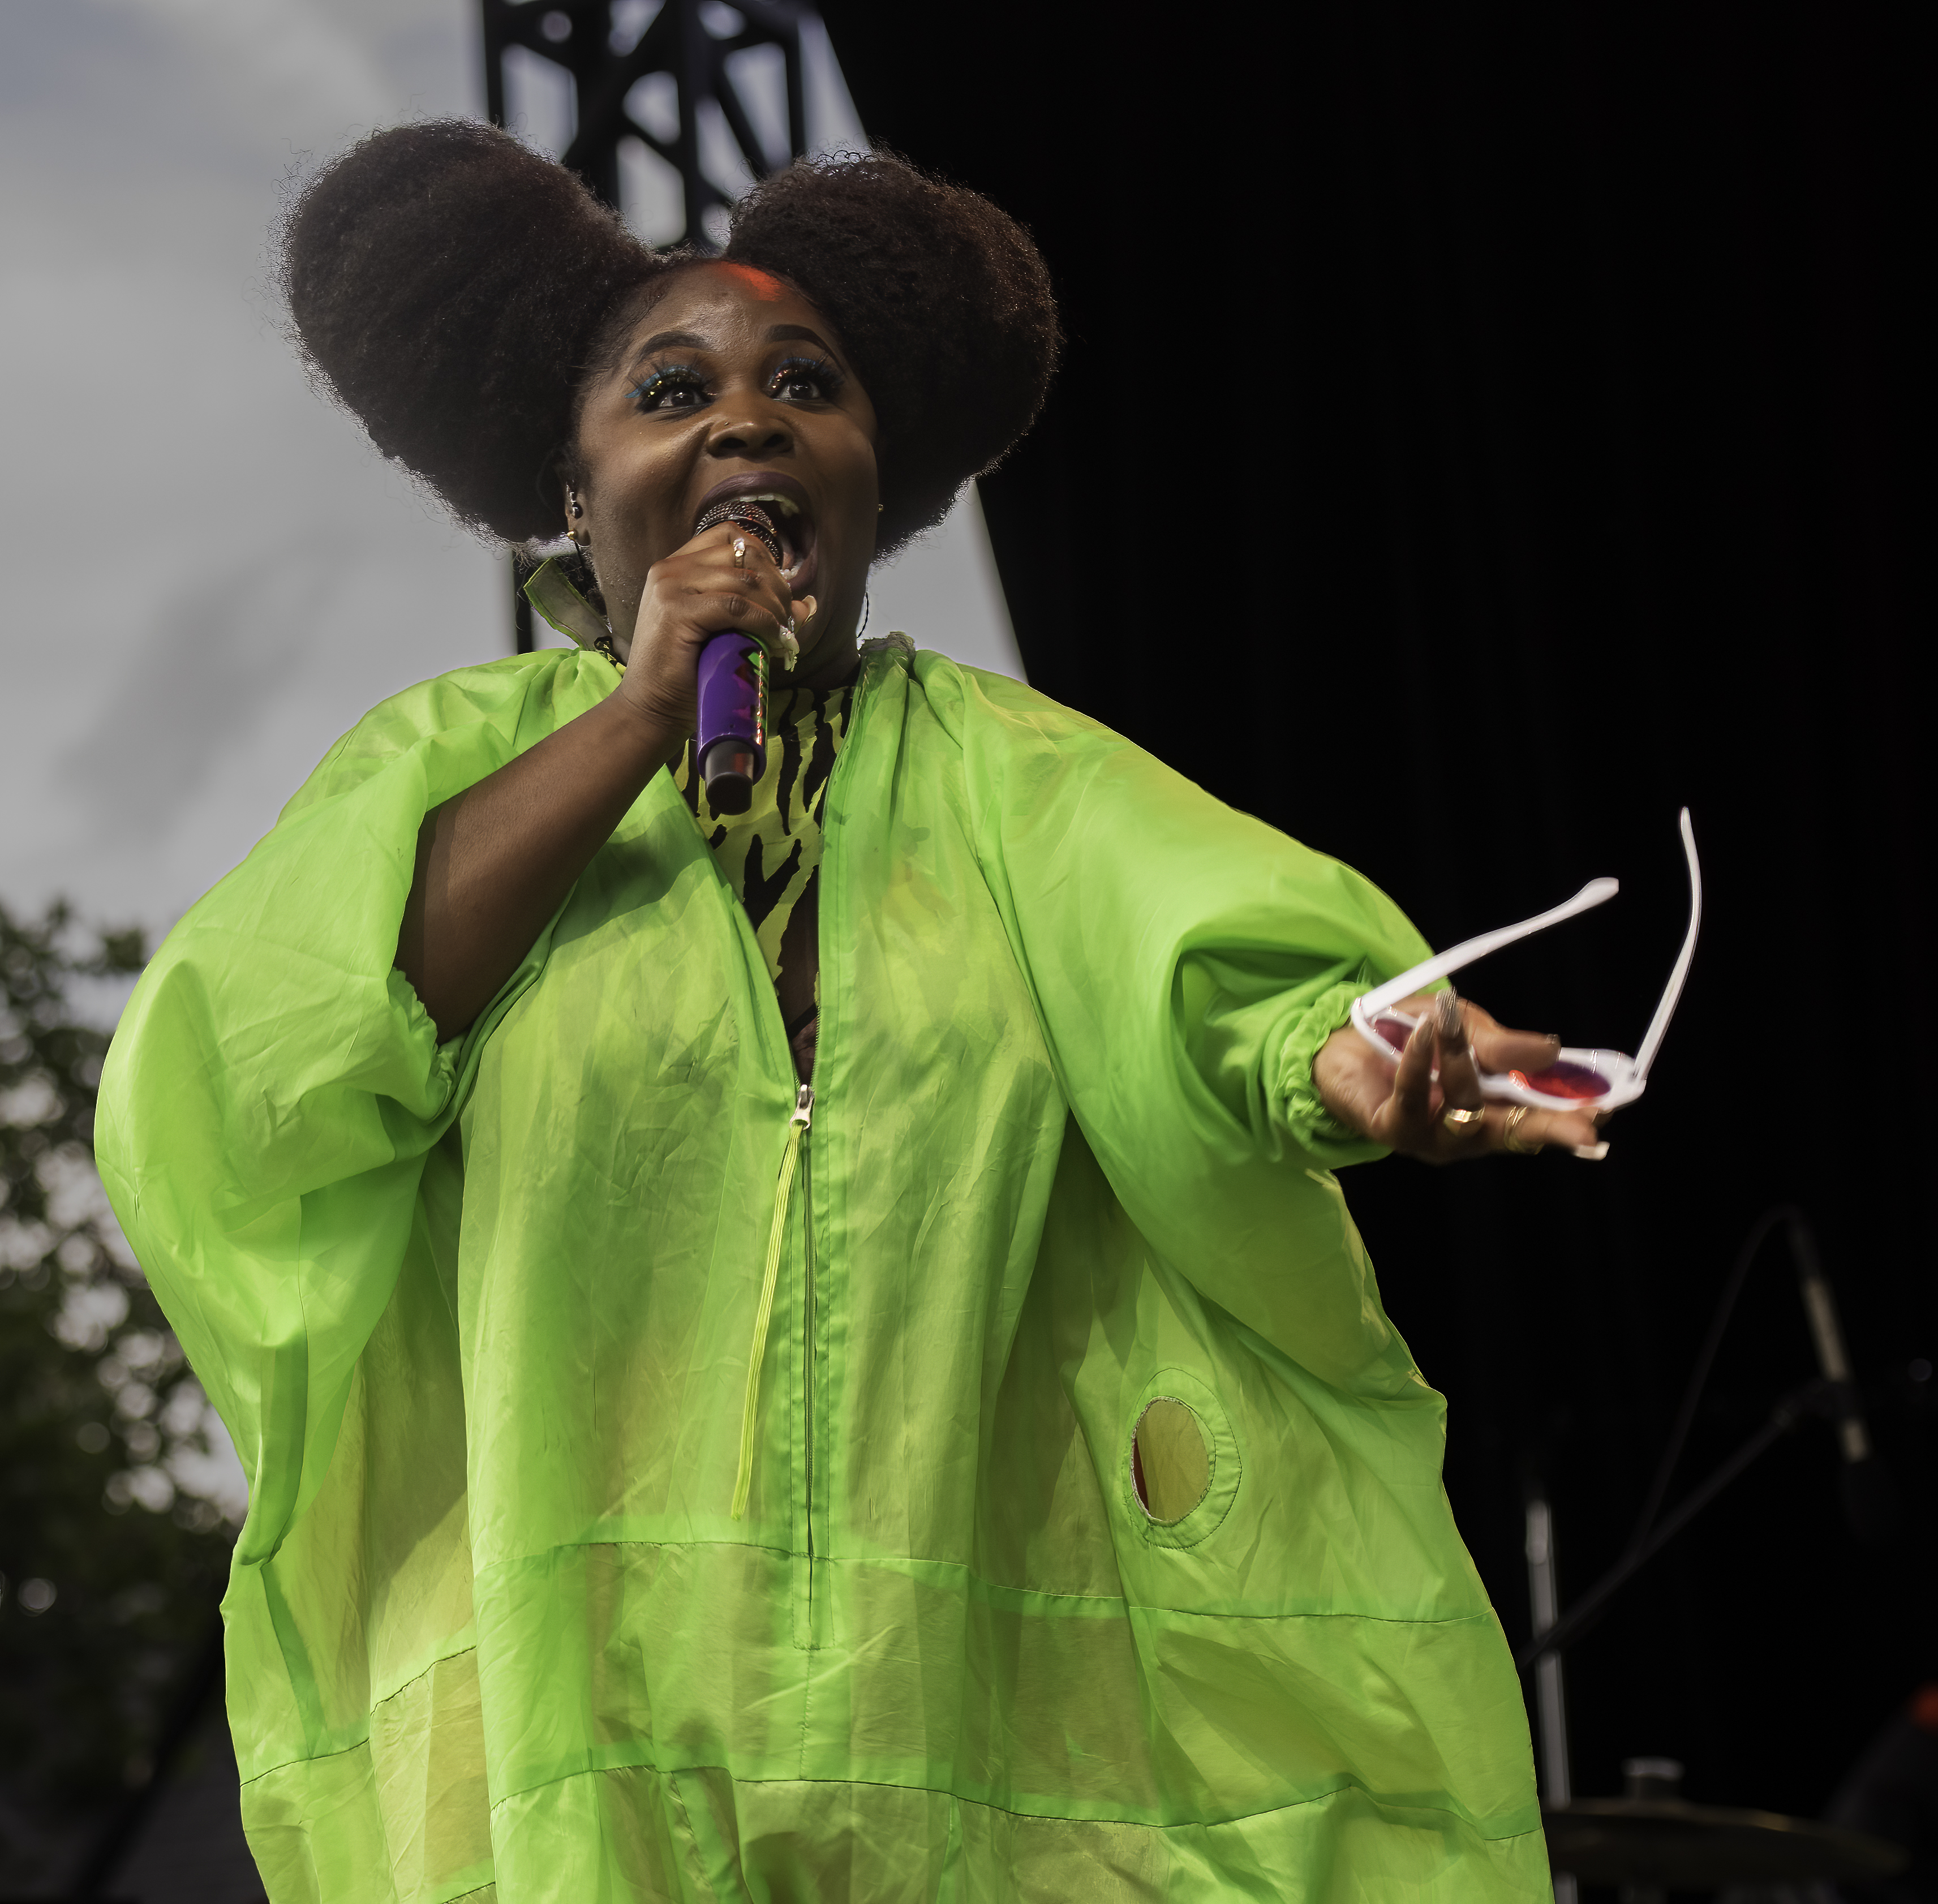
[(1302, 1111)]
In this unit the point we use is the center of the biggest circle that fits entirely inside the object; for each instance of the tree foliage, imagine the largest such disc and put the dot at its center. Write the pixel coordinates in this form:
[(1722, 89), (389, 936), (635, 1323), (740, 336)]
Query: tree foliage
[(119, 1490)]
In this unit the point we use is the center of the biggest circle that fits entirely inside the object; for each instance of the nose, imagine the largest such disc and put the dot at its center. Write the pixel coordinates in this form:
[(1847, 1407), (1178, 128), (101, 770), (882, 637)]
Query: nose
[(750, 434)]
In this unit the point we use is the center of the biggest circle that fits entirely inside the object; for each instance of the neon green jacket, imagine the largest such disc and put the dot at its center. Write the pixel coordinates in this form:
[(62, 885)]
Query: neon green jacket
[(479, 1317)]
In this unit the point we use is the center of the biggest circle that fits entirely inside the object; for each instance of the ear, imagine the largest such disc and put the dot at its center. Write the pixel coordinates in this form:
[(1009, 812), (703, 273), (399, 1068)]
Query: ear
[(568, 482)]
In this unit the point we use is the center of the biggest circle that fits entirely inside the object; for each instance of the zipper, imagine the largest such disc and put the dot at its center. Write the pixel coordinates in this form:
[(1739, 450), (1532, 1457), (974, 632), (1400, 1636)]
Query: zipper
[(794, 1161), (750, 1408), (807, 1345)]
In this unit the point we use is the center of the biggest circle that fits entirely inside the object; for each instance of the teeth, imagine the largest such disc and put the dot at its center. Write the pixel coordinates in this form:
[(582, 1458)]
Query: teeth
[(785, 504)]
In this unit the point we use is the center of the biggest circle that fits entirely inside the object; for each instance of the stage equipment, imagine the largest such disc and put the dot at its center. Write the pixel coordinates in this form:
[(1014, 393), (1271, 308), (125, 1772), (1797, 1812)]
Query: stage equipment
[(1815, 1398), (1869, 1499), (1551, 1704), (1652, 1840), (599, 43)]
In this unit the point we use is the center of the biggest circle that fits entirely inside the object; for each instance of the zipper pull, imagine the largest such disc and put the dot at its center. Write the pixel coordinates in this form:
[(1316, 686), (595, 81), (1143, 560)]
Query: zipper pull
[(804, 1106)]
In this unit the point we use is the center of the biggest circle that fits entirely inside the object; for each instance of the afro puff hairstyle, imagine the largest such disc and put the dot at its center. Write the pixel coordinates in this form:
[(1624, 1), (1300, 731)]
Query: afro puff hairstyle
[(454, 291)]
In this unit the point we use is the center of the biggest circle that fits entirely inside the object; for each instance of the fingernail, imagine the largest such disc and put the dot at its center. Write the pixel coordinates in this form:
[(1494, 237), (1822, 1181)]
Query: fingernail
[(1590, 1153), (1448, 1006)]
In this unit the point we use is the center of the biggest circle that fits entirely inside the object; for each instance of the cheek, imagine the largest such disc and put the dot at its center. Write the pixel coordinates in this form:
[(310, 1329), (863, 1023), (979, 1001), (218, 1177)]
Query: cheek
[(851, 461), (634, 497)]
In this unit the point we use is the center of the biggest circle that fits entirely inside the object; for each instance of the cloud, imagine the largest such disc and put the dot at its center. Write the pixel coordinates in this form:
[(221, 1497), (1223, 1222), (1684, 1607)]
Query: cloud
[(215, 658), (212, 573)]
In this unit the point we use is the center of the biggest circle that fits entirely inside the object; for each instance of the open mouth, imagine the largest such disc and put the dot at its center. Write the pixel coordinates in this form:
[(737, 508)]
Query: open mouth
[(776, 509)]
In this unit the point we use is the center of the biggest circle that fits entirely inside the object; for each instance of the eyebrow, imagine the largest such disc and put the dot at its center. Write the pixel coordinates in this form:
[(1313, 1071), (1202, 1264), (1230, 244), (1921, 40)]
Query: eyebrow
[(688, 340), (685, 340), (798, 333)]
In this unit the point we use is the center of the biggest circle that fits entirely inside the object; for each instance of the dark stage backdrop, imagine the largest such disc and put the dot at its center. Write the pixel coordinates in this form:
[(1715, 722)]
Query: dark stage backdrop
[(1480, 434)]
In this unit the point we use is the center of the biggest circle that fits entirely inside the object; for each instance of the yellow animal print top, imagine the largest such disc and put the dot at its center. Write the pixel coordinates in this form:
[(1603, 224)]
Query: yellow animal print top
[(771, 852)]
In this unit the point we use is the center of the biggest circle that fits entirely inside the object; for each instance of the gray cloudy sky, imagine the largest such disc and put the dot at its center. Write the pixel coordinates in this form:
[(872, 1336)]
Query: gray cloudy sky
[(212, 574)]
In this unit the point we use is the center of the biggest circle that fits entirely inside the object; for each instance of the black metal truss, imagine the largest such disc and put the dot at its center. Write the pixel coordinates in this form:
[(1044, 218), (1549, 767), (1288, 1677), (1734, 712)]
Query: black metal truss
[(577, 35)]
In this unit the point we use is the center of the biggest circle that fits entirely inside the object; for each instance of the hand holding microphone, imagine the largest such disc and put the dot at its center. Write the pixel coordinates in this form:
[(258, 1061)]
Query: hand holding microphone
[(730, 733), (711, 614)]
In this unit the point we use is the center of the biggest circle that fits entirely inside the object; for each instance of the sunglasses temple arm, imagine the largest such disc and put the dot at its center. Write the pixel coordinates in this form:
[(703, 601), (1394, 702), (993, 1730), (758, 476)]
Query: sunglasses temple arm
[(1595, 893), (1659, 1024)]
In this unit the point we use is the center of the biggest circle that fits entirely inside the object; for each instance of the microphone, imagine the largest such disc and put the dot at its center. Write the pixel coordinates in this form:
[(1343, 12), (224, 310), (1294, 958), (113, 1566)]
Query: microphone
[(1870, 1502), (730, 749)]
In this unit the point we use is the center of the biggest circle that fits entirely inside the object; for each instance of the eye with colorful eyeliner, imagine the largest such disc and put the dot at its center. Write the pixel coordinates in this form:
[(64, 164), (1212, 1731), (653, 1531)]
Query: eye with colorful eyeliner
[(806, 380), (675, 387)]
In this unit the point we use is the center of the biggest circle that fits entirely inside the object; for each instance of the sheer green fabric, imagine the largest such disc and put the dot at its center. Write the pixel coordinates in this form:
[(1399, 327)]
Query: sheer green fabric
[(479, 1319)]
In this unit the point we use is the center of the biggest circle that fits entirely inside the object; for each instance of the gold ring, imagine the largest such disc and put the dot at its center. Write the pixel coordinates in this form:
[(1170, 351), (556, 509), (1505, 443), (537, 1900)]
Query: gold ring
[(1466, 1123), (740, 551), (1512, 1139)]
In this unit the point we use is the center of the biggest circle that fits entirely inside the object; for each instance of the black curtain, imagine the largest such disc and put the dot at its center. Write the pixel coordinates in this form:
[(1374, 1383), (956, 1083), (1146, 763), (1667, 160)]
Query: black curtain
[(1482, 432)]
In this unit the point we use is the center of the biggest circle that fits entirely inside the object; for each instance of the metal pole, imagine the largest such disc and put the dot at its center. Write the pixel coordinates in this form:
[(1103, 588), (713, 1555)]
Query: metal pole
[(1550, 1704)]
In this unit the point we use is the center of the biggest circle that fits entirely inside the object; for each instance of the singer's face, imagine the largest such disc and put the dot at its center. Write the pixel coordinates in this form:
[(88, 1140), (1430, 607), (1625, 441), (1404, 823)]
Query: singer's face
[(733, 384)]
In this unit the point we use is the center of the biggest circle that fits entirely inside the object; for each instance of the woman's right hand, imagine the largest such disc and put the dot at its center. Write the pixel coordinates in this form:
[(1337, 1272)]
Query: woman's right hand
[(690, 595), (1403, 1106), (495, 862)]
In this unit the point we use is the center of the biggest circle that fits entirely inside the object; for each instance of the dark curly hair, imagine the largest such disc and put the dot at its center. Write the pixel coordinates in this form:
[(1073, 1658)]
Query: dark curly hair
[(455, 290)]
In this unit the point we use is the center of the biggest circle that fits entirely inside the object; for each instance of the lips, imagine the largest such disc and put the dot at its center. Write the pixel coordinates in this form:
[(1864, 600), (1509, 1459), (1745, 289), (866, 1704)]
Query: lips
[(784, 501)]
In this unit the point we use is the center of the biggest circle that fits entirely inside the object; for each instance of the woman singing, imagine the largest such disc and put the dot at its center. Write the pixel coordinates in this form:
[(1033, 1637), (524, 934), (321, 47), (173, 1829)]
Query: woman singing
[(812, 1353)]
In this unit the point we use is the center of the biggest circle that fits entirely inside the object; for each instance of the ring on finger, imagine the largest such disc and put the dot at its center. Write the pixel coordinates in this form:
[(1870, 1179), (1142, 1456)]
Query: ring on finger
[(1512, 1138), (740, 551), (1463, 1123)]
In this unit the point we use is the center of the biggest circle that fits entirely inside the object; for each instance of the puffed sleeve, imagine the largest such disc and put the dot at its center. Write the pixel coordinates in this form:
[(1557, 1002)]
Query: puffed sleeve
[(1187, 962), (274, 1084)]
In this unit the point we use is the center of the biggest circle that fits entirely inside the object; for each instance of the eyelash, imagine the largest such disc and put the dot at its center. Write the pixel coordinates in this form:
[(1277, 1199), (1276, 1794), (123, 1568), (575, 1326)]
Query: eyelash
[(818, 371), (649, 393)]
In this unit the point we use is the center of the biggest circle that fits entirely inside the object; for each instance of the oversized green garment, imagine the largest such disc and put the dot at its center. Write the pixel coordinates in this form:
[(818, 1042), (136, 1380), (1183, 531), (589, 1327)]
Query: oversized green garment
[(479, 1317)]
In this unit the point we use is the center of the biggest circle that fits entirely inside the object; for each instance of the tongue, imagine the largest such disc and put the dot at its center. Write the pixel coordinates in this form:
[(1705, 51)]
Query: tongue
[(749, 516)]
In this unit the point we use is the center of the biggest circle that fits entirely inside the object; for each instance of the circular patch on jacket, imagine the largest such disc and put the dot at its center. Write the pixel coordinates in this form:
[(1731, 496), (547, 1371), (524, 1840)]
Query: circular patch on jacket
[(1171, 1460), (1180, 1460)]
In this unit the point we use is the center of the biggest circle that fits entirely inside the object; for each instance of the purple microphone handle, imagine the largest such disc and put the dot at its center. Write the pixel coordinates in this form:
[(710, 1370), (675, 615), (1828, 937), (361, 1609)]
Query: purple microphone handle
[(732, 746)]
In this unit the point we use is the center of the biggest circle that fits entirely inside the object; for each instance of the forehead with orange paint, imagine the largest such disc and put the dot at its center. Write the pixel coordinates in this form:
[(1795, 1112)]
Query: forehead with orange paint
[(769, 290)]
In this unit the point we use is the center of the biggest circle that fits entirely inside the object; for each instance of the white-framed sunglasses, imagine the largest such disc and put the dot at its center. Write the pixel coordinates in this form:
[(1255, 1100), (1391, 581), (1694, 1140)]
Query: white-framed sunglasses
[(1577, 1079)]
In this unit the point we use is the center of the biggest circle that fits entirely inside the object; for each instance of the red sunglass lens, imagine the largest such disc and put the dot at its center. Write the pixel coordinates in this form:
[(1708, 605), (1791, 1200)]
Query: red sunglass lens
[(1565, 1080), (1395, 1031)]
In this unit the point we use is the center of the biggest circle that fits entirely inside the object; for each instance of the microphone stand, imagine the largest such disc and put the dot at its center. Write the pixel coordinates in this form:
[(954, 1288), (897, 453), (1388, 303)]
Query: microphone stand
[(1818, 1397)]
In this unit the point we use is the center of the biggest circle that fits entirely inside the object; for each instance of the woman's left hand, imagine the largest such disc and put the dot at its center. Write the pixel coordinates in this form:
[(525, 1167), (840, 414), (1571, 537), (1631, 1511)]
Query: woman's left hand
[(1404, 1107)]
